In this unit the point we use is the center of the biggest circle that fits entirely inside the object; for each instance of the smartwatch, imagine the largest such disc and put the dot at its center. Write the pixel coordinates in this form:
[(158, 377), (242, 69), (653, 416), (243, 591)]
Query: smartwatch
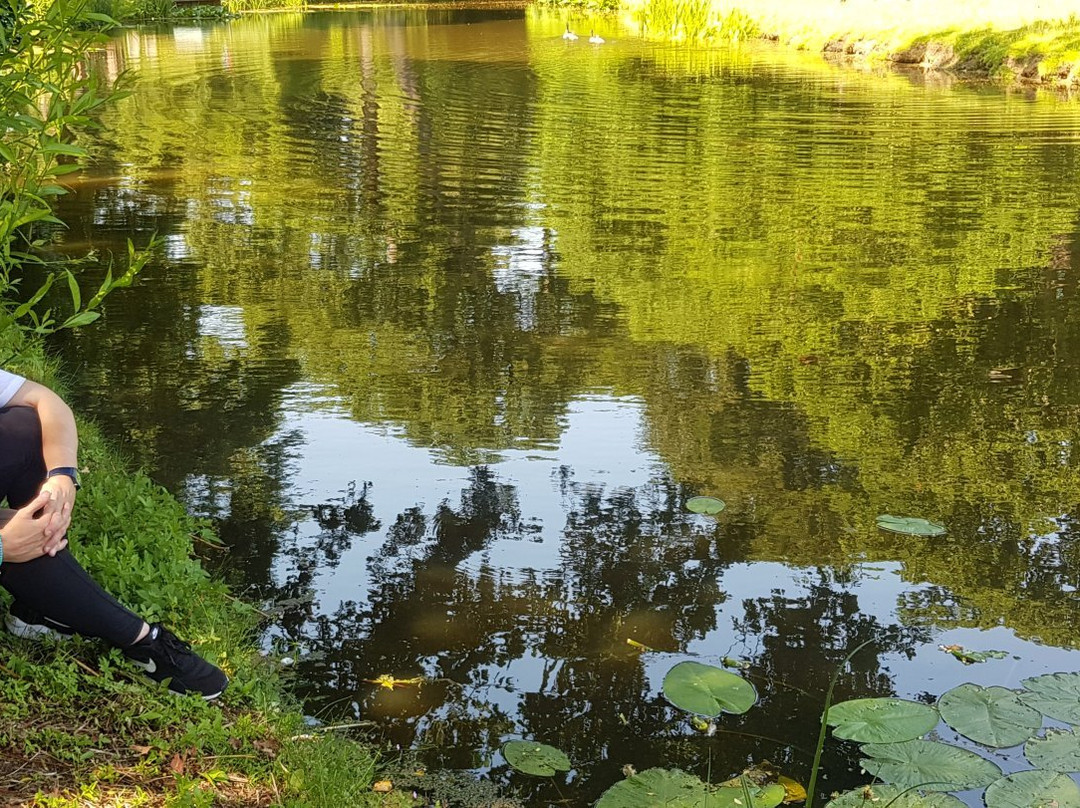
[(66, 471)]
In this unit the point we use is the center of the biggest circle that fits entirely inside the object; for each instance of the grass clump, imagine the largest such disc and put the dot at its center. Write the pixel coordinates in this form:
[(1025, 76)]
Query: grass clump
[(995, 37)]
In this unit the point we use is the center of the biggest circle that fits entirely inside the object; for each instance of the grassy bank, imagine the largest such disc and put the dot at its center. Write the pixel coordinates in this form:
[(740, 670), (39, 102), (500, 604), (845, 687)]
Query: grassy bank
[(1037, 42), (78, 725)]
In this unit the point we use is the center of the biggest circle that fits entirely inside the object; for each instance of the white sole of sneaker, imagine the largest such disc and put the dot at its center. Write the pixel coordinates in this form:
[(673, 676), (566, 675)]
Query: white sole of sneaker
[(32, 631)]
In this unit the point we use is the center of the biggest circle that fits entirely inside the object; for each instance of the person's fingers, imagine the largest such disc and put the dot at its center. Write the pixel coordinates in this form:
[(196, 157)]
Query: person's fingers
[(37, 503), (56, 547)]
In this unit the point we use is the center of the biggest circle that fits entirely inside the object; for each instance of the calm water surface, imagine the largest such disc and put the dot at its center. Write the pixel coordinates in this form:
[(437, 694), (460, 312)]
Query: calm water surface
[(451, 316)]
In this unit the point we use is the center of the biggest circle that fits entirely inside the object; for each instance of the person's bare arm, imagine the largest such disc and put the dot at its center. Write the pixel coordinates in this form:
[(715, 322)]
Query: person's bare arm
[(59, 447)]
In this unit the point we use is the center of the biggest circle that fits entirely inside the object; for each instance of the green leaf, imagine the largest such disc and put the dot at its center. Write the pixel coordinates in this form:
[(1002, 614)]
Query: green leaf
[(993, 716), (535, 758), (1033, 789), (1056, 695), (673, 788), (80, 319), (910, 526), (881, 795), (928, 764), (710, 506), (768, 796), (668, 787), (25, 308), (73, 287), (1059, 751), (881, 720), (708, 690)]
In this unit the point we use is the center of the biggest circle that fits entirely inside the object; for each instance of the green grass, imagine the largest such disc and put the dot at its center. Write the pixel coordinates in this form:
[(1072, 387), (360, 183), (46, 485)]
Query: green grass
[(994, 37)]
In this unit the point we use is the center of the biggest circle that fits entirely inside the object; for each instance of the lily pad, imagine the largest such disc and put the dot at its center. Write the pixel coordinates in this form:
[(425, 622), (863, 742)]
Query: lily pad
[(1033, 789), (910, 526), (881, 720), (668, 787), (993, 716), (881, 795), (710, 506), (767, 796), (708, 690), (673, 788), (1059, 751), (535, 758), (1056, 695), (929, 765)]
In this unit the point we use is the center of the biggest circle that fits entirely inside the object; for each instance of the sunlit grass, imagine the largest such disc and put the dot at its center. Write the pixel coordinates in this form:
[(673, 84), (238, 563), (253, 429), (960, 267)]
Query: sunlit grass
[(984, 35)]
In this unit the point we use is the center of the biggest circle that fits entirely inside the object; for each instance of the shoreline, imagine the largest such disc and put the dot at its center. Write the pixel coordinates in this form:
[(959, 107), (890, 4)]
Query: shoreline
[(1035, 46)]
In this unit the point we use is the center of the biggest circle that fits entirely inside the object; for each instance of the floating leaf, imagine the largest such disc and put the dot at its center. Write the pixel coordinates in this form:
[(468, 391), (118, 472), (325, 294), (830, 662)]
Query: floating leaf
[(994, 716), (1033, 789), (1056, 695), (881, 720), (767, 796), (389, 682), (793, 790), (910, 526), (672, 788), (709, 506), (668, 787), (969, 657), (639, 645), (708, 690), (1059, 751), (880, 795), (535, 758), (929, 765)]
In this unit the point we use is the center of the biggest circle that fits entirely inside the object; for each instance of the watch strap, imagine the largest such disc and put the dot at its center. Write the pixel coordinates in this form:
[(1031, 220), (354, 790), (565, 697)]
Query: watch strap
[(66, 471)]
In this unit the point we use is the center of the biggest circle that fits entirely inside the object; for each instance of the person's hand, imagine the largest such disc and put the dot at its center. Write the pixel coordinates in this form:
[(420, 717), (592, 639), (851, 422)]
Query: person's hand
[(24, 534), (58, 510)]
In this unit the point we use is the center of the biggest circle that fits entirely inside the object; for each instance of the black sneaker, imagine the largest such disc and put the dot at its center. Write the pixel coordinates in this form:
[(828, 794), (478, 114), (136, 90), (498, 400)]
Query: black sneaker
[(24, 622), (166, 658)]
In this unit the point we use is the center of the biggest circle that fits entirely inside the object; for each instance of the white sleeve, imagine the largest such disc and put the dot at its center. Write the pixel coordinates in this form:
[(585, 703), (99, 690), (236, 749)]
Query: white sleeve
[(9, 386)]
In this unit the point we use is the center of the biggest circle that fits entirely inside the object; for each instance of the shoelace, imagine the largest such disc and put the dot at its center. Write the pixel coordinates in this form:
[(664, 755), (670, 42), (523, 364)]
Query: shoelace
[(172, 646)]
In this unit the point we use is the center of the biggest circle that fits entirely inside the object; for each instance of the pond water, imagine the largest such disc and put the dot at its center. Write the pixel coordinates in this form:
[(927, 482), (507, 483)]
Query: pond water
[(451, 316)]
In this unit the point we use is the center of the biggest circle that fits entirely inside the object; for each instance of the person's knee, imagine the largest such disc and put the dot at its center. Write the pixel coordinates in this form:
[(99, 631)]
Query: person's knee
[(22, 467), (20, 430)]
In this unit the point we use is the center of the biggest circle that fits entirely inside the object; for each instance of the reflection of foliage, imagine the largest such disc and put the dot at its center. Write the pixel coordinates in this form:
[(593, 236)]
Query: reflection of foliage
[(830, 305)]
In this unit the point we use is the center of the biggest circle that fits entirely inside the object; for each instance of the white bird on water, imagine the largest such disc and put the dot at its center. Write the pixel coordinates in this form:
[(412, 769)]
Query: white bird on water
[(570, 36), (596, 40)]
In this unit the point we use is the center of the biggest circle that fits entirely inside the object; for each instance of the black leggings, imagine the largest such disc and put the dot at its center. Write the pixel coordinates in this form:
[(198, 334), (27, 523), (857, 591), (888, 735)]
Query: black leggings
[(55, 586)]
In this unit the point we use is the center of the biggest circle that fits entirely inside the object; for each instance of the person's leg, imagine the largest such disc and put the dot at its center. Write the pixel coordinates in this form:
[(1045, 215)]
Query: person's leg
[(56, 587), (62, 592)]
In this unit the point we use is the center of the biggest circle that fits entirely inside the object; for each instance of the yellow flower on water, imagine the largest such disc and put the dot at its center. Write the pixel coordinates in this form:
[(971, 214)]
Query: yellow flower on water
[(389, 682)]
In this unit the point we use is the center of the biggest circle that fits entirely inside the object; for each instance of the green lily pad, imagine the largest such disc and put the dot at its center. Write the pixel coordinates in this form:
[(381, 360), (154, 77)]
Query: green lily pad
[(668, 787), (768, 796), (710, 506), (1033, 789), (1059, 751), (929, 765), (881, 720), (993, 716), (535, 758), (1056, 695), (881, 795), (673, 788), (910, 526), (708, 690)]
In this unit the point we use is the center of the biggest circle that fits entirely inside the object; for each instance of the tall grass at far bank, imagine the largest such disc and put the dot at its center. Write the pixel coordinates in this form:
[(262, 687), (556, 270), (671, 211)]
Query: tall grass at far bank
[(984, 35)]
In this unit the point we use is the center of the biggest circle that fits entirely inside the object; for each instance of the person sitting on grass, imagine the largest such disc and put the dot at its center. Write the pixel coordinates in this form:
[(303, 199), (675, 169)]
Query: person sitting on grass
[(54, 595)]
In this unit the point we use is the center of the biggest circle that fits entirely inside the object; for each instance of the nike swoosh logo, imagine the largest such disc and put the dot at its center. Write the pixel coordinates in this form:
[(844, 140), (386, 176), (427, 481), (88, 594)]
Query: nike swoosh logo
[(149, 666)]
